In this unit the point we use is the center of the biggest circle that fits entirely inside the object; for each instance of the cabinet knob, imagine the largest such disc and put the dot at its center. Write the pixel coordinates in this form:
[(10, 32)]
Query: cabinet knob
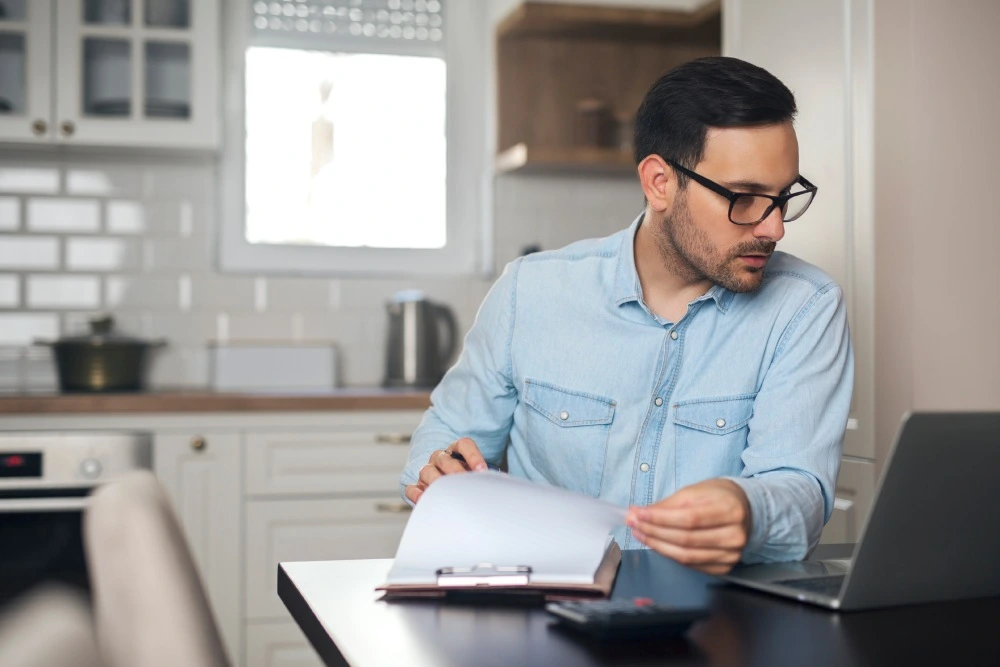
[(68, 128), (198, 443), (393, 508), (39, 127), (393, 438)]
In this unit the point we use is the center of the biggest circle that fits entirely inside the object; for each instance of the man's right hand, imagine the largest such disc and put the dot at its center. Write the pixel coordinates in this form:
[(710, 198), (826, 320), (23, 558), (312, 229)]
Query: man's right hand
[(441, 462)]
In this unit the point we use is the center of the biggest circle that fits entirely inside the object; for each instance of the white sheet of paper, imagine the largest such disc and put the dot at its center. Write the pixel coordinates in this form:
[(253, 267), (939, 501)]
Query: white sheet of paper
[(488, 517)]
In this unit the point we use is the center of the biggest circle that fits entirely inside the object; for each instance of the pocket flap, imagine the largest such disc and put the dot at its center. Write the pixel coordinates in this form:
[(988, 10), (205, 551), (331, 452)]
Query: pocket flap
[(566, 407), (715, 415)]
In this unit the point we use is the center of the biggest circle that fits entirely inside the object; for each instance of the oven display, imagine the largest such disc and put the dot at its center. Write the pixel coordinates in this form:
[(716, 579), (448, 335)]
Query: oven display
[(14, 464)]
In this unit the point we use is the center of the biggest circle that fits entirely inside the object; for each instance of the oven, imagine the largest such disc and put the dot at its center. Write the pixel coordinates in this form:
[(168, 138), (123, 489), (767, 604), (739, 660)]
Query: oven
[(45, 479)]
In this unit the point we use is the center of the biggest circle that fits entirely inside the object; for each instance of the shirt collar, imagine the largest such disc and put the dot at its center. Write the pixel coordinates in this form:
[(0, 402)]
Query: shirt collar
[(627, 287)]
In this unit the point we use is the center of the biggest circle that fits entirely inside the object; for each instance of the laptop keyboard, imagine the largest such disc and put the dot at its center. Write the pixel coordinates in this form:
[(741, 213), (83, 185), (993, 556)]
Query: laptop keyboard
[(824, 585)]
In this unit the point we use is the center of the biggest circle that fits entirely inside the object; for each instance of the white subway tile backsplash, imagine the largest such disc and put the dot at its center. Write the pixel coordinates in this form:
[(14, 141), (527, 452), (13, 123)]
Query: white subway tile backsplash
[(215, 292), (104, 181), (63, 291), (39, 370), (141, 292), (260, 328), (299, 294), (165, 255), (29, 180), (101, 254), (182, 329), (64, 215), (125, 217), (10, 291), (194, 181), (176, 366), (28, 252), (24, 328), (10, 213)]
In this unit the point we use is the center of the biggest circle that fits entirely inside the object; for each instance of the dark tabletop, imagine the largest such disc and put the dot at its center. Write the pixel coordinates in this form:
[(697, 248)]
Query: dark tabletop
[(335, 604)]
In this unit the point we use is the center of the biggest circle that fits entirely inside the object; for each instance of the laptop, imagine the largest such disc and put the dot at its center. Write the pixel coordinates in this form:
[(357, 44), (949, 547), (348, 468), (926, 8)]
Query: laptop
[(933, 532)]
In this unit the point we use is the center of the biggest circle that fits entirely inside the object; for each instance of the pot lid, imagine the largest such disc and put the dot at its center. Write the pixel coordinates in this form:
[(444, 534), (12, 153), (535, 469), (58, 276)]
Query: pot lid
[(102, 333)]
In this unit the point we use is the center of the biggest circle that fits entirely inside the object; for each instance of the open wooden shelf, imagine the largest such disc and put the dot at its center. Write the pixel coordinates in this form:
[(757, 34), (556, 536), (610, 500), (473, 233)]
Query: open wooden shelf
[(532, 19), (551, 58), (523, 158)]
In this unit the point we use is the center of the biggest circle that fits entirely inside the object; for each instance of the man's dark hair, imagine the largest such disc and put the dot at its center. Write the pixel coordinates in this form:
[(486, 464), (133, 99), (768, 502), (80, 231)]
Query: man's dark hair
[(675, 115)]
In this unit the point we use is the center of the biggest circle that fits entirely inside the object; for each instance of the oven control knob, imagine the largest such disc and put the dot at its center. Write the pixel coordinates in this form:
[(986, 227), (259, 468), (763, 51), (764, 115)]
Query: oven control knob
[(90, 468)]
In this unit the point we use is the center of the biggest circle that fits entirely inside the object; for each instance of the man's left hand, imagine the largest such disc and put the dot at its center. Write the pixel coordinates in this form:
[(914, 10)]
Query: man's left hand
[(704, 526)]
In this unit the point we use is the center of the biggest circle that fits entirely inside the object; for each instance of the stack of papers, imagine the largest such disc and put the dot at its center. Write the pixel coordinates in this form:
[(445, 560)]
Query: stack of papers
[(489, 530)]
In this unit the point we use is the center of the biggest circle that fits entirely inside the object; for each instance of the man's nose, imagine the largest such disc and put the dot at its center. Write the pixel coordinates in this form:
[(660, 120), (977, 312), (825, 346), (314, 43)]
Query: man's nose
[(771, 228)]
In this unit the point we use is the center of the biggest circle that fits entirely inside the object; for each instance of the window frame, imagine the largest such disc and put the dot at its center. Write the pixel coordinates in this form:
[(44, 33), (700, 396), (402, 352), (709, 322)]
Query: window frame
[(468, 249)]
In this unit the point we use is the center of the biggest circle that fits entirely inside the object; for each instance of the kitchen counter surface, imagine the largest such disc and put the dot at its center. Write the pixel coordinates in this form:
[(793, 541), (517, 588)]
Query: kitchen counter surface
[(207, 401)]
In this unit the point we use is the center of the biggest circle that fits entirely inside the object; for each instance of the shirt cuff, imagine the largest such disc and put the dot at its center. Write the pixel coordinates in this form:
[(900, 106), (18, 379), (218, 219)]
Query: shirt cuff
[(760, 512)]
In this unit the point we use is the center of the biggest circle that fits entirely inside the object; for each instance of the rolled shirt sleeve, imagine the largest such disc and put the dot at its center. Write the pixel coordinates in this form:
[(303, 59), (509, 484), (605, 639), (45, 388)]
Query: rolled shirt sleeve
[(477, 397), (796, 433)]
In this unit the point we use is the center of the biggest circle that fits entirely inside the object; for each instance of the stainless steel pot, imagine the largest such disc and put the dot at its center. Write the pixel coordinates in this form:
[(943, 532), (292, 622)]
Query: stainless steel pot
[(101, 361)]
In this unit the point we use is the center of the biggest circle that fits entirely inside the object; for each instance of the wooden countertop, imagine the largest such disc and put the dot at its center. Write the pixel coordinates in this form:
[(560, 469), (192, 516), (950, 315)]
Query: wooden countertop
[(207, 401)]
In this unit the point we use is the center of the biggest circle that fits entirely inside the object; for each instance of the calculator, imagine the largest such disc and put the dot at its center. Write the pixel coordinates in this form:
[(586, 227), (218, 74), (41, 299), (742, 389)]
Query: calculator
[(624, 618)]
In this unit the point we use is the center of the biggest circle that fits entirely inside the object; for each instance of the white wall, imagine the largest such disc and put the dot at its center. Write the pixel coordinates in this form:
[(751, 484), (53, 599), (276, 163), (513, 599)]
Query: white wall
[(937, 143)]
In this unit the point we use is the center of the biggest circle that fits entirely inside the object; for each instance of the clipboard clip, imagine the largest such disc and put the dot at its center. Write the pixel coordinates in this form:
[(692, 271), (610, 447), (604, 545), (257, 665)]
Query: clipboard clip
[(484, 575)]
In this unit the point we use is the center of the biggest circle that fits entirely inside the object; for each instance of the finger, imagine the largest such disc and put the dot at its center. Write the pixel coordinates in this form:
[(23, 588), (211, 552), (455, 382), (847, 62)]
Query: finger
[(446, 465), (724, 537), (470, 452), (413, 493), (428, 474), (691, 557), (707, 515)]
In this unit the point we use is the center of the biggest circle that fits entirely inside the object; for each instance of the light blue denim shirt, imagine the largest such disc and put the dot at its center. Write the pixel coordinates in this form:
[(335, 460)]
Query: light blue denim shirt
[(569, 373)]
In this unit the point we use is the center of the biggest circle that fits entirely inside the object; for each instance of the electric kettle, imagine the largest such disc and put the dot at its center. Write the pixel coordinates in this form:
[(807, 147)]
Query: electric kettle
[(420, 341)]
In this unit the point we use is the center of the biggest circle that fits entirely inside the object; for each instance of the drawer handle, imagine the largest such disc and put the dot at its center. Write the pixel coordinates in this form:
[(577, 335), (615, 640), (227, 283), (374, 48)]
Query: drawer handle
[(393, 508), (198, 443), (393, 438)]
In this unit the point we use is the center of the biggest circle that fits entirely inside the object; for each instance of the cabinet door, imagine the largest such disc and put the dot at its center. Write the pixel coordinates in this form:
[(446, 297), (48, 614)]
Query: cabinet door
[(356, 458), (279, 645), (25, 71), (138, 72), (855, 493), (201, 472), (295, 530)]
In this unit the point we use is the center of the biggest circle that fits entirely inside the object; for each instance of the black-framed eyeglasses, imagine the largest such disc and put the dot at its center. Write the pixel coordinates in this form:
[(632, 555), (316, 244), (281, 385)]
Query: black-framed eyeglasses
[(748, 208)]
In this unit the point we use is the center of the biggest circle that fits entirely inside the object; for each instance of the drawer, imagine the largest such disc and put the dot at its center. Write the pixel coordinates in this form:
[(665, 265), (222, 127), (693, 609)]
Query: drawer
[(279, 645), (329, 529), (328, 462)]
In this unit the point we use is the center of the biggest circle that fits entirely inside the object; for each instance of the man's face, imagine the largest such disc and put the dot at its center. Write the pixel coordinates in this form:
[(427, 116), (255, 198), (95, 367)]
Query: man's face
[(697, 237)]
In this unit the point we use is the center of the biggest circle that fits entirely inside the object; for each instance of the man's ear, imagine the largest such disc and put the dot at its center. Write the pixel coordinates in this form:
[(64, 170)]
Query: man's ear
[(658, 182)]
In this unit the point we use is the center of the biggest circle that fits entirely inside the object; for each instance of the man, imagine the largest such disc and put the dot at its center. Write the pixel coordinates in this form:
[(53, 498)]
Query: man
[(681, 367)]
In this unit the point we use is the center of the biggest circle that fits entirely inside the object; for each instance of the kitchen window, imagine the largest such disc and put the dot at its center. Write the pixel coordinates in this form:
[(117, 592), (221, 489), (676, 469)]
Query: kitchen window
[(356, 137)]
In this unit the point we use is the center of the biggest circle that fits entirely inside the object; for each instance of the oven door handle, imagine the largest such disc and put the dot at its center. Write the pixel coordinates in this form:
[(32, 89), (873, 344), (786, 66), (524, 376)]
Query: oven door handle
[(20, 505)]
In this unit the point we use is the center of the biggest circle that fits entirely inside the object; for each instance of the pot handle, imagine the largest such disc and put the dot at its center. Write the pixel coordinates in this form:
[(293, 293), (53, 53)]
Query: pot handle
[(448, 344)]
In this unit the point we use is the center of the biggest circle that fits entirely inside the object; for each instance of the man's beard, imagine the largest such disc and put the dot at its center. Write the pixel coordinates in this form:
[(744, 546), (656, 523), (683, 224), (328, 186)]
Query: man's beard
[(688, 252)]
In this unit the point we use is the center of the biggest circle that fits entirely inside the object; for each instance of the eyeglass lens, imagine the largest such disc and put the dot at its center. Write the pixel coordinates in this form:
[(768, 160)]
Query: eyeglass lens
[(748, 209)]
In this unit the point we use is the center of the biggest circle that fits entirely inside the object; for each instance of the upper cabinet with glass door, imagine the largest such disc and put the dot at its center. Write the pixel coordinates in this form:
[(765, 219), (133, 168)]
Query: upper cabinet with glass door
[(25, 70), (141, 73)]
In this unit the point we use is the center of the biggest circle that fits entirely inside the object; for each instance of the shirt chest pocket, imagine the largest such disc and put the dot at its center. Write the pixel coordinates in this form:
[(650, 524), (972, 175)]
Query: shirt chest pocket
[(710, 436), (566, 434)]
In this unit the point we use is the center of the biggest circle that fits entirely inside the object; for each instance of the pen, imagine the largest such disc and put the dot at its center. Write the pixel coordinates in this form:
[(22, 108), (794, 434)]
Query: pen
[(458, 457)]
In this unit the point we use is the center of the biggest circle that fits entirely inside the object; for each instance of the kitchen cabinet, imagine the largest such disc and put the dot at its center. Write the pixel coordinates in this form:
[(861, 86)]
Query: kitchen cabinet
[(254, 487), (201, 474), (570, 78), (110, 73)]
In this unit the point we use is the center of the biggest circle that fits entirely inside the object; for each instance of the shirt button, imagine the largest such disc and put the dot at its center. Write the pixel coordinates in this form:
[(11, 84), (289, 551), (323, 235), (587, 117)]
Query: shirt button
[(658, 401), (673, 335), (720, 422), (644, 467), (564, 415)]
